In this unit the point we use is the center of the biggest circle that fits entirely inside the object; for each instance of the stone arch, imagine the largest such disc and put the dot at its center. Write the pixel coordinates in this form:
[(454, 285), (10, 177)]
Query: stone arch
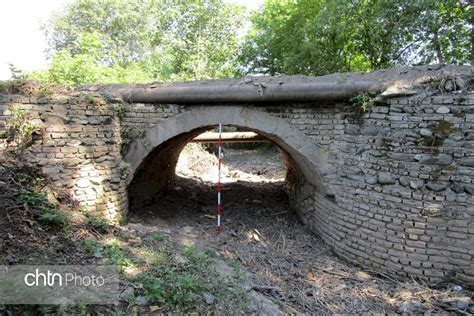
[(153, 158), (306, 154)]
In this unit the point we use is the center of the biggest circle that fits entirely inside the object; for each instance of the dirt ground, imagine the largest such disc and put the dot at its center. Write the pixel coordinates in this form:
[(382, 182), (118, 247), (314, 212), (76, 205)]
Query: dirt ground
[(254, 165), (292, 268)]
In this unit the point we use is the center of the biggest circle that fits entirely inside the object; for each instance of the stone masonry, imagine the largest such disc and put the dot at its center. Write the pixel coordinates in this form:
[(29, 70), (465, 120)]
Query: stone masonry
[(390, 188)]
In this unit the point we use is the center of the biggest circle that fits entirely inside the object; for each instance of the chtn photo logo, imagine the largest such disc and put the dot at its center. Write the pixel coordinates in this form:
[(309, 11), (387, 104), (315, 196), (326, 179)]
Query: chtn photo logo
[(48, 278)]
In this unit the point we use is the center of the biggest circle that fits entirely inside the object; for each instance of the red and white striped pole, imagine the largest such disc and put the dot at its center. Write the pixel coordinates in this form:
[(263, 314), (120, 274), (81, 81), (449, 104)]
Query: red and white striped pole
[(219, 206)]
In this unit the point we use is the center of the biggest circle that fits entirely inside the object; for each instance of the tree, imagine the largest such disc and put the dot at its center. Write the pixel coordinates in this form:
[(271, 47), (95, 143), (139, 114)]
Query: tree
[(413, 32), (197, 40), (86, 66), (154, 39), (316, 37), (447, 32), (121, 26)]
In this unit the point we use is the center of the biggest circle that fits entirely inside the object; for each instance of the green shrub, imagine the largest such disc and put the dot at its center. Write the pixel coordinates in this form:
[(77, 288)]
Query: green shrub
[(32, 197), (154, 236), (54, 218), (117, 254), (97, 224), (90, 245), (20, 128), (174, 289)]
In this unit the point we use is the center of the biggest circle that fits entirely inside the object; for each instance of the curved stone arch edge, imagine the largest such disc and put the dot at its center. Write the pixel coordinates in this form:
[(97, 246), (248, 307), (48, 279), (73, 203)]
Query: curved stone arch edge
[(307, 155)]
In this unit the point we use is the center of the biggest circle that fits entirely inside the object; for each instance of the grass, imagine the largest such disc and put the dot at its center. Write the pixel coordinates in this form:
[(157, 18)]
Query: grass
[(90, 245), (175, 284), (174, 289), (153, 237), (49, 215), (152, 258), (116, 254), (97, 224), (178, 279), (178, 286), (54, 218)]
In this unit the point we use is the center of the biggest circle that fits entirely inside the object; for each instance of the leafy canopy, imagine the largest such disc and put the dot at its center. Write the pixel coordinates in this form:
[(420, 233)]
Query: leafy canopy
[(167, 40), (317, 37), (143, 40)]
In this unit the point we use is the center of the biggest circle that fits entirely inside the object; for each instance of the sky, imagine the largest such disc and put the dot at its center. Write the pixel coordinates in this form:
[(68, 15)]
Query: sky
[(23, 43)]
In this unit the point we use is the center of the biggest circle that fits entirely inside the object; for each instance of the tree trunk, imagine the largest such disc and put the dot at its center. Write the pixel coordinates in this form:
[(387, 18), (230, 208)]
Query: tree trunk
[(437, 47), (471, 21)]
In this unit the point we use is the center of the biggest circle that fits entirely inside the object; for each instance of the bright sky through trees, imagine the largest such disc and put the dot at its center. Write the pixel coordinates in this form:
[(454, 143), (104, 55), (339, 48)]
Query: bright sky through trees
[(118, 41), (23, 43)]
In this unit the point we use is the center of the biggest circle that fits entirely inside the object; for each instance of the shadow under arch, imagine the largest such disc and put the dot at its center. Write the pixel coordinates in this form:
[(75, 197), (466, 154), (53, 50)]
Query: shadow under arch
[(308, 157), (153, 158)]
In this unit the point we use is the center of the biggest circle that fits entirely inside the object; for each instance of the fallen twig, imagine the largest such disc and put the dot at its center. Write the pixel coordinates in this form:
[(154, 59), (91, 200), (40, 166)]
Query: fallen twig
[(263, 288)]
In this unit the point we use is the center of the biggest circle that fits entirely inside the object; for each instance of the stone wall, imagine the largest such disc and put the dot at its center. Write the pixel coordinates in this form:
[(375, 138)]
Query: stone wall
[(394, 192), (77, 147), (403, 183)]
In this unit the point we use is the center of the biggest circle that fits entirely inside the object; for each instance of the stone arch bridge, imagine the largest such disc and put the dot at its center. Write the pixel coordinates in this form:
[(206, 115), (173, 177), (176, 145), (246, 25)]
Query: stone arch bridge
[(380, 165)]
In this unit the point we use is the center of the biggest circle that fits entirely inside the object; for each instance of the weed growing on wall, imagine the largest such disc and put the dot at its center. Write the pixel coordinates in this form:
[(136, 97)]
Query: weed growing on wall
[(20, 129), (361, 104), (36, 198)]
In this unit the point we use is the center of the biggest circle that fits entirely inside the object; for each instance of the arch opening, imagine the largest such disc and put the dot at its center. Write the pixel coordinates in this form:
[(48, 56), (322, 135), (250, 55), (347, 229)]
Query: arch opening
[(153, 157), (259, 223), (157, 176), (262, 222), (307, 155)]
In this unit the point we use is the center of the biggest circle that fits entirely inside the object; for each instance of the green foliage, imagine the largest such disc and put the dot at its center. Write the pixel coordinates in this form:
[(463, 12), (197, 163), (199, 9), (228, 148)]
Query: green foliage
[(210, 252), (31, 197), (121, 29), (195, 258), (86, 65), (97, 224), (118, 41), (444, 29), (54, 218), (90, 245), (179, 286), (361, 101), (19, 122), (198, 40), (323, 36), (50, 215), (154, 237), (117, 254), (175, 289), (35, 197), (301, 37), (20, 129)]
